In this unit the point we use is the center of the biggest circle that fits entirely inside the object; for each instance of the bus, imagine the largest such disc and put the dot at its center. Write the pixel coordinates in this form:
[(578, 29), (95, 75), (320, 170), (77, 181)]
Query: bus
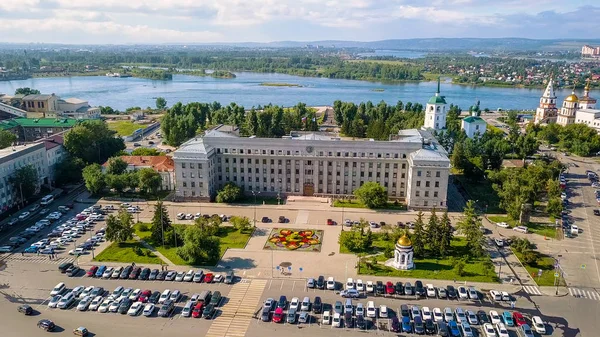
[(47, 200)]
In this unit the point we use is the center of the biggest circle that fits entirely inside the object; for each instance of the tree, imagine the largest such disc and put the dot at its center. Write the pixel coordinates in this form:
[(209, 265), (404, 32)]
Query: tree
[(161, 223), (357, 240), (199, 247), (7, 139), (119, 228), (240, 223), (93, 142), (432, 233), (372, 195), (229, 193), (144, 151), (27, 91), (94, 179), (117, 182), (209, 226), (25, 182), (469, 226), (554, 207), (445, 234), (418, 236), (161, 103), (116, 165), (526, 145), (459, 267), (149, 180), (68, 171)]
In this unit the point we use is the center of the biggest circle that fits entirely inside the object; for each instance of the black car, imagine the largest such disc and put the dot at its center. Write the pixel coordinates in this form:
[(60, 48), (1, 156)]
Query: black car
[(451, 291), (124, 306), (418, 325), (395, 326), (429, 327), (69, 269), (161, 275), (166, 309), (442, 329), (73, 271), (597, 212), (46, 324), (208, 312), (265, 316), (125, 273), (404, 311), (482, 317), (25, 309), (321, 282), (419, 289), (135, 272), (399, 288), (348, 321), (265, 219), (379, 288), (144, 274), (317, 306), (282, 303), (153, 274), (361, 322), (154, 297), (282, 219)]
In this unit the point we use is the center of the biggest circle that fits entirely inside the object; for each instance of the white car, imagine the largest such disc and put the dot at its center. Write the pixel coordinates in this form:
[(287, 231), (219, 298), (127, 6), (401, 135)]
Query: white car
[(126, 292), (371, 310), (84, 303), (430, 290), (179, 277), (114, 306), (326, 320), (488, 330), (538, 325), (471, 317), (135, 294), (370, 287), (66, 301), (108, 272), (135, 309), (54, 301), (349, 283), (426, 313), (96, 303), (330, 283), (383, 311), (105, 305), (86, 292), (360, 310), (218, 278), (521, 229), (78, 290), (24, 215), (499, 242), (337, 320), (148, 310), (175, 296), (294, 303), (5, 249), (189, 276), (360, 286), (76, 251), (494, 317), (462, 293), (437, 315), (501, 330), (180, 216), (305, 305), (502, 224)]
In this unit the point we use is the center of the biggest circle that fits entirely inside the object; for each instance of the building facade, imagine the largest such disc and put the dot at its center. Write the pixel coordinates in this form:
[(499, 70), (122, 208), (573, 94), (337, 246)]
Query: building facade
[(547, 112), (13, 158), (473, 125), (164, 165), (435, 111), (590, 51), (566, 115), (587, 112), (55, 153), (411, 166), (33, 129)]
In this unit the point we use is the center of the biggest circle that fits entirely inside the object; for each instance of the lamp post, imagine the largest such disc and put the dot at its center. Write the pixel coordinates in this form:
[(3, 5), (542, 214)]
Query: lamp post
[(254, 193), (93, 244), (279, 193), (162, 225)]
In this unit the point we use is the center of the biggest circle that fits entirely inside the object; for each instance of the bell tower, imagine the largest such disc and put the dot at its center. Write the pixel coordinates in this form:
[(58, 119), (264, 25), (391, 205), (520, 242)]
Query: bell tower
[(546, 112), (435, 111)]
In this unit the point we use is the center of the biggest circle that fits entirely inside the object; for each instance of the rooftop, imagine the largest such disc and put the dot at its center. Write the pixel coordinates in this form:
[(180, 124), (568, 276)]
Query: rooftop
[(74, 100), (53, 141), (14, 150), (157, 163), (37, 97), (474, 119), (46, 122)]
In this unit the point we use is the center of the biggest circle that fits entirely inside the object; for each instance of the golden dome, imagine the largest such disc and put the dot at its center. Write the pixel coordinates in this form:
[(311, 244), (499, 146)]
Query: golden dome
[(404, 241), (572, 98)]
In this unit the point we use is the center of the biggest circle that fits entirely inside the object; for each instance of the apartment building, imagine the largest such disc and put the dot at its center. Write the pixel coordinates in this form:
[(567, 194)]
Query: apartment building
[(11, 159), (410, 165)]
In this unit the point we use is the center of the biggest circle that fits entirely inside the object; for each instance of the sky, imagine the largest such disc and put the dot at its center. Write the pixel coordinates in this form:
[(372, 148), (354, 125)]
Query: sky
[(209, 21)]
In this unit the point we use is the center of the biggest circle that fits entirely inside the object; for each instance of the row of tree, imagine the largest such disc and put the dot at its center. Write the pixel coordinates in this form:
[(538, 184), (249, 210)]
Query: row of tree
[(577, 138), (117, 178)]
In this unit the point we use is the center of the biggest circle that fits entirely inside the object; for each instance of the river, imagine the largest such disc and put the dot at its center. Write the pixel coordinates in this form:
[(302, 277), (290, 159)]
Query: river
[(245, 89)]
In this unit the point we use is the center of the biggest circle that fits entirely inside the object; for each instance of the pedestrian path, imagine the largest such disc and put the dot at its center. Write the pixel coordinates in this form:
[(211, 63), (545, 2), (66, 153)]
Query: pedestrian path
[(591, 294), (236, 314), (532, 290), (45, 259)]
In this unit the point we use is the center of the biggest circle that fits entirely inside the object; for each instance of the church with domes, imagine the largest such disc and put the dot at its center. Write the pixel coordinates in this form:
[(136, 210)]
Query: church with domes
[(403, 255)]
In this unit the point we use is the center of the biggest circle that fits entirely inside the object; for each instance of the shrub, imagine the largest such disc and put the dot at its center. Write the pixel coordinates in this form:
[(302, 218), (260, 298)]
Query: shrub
[(143, 227)]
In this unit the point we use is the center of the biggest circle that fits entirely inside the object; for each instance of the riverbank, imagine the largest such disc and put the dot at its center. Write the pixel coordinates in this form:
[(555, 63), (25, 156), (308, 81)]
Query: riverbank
[(273, 84)]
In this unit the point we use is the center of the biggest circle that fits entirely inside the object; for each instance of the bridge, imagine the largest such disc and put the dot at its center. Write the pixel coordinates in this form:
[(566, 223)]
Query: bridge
[(11, 110)]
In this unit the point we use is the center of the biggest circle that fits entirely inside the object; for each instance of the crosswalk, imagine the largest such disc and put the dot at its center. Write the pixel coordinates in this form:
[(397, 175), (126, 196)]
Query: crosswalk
[(532, 290), (236, 314), (583, 293), (32, 258)]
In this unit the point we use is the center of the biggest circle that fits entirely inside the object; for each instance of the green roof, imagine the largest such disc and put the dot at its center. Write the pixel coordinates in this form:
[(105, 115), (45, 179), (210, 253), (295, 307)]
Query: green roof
[(437, 100), (473, 119), (46, 122), (8, 124)]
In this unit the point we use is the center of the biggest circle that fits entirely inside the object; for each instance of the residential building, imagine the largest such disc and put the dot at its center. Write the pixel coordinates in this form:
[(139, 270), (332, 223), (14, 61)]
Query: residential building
[(589, 51), (33, 129), (13, 158), (40, 106), (411, 166), (435, 111), (164, 165), (547, 112), (55, 153)]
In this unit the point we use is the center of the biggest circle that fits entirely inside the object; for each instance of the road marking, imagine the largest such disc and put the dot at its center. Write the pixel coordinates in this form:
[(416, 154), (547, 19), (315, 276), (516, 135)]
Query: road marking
[(293, 285), (589, 236), (533, 290)]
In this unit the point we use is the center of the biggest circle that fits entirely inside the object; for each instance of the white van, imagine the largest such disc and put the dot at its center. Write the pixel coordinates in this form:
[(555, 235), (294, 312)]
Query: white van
[(164, 296), (58, 289), (187, 310), (66, 301), (326, 317), (330, 283)]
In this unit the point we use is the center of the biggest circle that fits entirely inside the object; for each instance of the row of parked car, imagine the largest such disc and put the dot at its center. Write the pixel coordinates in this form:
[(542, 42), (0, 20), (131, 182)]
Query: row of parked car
[(134, 302), (133, 272)]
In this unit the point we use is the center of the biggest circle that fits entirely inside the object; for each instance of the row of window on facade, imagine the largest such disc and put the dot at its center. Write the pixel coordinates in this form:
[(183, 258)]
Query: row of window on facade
[(31, 104), (320, 153)]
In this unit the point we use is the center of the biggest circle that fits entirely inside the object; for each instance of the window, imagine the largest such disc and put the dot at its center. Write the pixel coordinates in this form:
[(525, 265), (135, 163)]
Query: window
[(427, 184), (428, 174), (193, 184), (437, 184), (191, 165), (403, 166), (184, 184), (182, 165), (416, 193), (437, 174), (418, 183), (426, 194), (435, 194), (418, 173)]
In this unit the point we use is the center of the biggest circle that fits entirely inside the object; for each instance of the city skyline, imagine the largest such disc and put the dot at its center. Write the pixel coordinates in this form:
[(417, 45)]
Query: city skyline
[(228, 21)]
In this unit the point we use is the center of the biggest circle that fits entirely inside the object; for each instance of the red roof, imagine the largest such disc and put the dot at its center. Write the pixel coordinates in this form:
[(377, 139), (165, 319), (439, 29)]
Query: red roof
[(53, 141), (157, 163)]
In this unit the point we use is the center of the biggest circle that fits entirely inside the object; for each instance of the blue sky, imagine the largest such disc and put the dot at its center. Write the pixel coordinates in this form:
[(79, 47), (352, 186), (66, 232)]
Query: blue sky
[(198, 21)]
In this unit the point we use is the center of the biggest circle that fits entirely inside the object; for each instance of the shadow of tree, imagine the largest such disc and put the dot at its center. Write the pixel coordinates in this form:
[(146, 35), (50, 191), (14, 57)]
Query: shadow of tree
[(237, 263)]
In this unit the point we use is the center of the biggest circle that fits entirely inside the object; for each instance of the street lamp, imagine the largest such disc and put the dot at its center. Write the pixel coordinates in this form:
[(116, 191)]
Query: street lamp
[(279, 193), (254, 193)]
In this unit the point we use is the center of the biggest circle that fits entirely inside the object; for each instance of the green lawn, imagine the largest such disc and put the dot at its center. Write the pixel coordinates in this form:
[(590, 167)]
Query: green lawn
[(543, 229), (230, 238), (357, 204), (379, 244), (480, 190), (499, 218), (249, 199), (136, 195), (546, 264), (125, 252), (124, 128)]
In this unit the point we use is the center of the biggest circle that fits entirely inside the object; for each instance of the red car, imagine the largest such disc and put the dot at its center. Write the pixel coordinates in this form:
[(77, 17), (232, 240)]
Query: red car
[(330, 222), (197, 312), (208, 277), (519, 319), (278, 315), (389, 288), (145, 295), (92, 271)]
